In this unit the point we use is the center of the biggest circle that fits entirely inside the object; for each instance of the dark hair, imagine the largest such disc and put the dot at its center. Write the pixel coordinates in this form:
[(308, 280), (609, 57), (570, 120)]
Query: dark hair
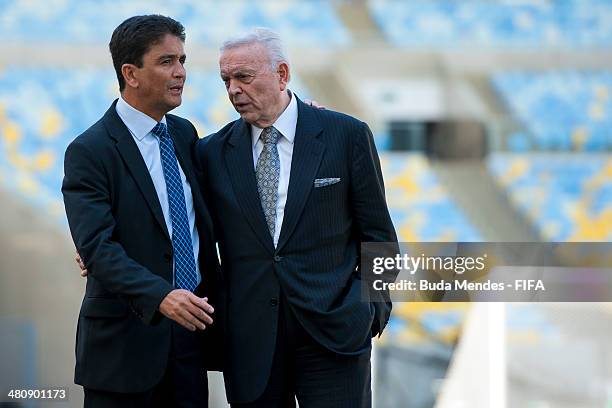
[(135, 36)]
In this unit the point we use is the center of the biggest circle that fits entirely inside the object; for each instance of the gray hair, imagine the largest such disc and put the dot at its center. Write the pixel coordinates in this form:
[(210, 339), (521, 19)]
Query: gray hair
[(270, 40)]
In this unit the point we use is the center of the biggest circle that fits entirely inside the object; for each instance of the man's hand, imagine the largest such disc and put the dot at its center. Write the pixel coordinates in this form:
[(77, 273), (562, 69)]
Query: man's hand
[(314, 104), (187, 309), (79, 262), (180, 305)]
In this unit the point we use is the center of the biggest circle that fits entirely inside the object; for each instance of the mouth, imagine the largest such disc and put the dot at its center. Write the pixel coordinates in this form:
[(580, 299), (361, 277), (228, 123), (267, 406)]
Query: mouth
[(241, 106), (176, 90)]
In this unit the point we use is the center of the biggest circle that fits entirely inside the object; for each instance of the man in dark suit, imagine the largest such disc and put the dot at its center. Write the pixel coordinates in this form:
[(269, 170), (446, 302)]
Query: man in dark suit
[(143, 232), (293, 193)]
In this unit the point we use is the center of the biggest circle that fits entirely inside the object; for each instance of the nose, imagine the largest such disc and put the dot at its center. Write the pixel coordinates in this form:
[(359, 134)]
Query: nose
[(179, 71), (233, 88)]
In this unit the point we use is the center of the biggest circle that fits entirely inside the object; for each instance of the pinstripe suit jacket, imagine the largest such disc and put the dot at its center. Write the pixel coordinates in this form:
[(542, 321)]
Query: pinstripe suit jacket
[(315, 261)]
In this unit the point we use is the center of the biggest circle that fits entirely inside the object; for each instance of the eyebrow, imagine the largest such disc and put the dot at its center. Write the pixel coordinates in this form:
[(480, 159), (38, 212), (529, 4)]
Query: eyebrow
[(164, 56), (239, 71)]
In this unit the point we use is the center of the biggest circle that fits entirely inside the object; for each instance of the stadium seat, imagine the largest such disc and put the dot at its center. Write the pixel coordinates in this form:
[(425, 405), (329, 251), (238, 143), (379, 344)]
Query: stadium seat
[(487, 24), (207, 22), (568, 197), (560, 110), (420, 207)]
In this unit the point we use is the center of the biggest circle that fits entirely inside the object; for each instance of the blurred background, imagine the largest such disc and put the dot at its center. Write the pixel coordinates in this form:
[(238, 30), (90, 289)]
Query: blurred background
[(493, 121)]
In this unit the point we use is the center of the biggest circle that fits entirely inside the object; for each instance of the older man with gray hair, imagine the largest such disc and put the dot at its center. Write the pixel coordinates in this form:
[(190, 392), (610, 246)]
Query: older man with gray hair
[(293, 192)]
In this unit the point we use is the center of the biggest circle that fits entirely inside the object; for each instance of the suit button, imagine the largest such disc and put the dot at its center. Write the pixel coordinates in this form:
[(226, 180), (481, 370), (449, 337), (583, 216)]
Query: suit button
[(278, 258), (167, 256), (273, 302)]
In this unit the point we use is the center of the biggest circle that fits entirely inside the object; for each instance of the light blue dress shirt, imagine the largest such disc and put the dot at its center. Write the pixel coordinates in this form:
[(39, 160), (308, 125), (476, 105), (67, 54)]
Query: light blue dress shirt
[(140, 126)]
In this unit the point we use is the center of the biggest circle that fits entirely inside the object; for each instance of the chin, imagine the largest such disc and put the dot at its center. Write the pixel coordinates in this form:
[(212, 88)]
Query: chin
[(174, 103), (247, 116)]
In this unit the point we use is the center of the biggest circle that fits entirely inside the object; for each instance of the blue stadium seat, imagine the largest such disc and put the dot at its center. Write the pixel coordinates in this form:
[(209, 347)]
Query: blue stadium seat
[(568, 197), (207, 22), (488, 24), (420, 207), (566, 110)]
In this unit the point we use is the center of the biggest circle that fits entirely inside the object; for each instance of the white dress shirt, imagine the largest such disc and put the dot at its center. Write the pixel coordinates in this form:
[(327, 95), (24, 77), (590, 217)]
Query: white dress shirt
[(286, 125), (140, 126)]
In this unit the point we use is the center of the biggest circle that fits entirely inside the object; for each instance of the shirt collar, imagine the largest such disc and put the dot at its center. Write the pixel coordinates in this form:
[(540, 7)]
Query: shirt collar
[(140, 124), (285, 124)]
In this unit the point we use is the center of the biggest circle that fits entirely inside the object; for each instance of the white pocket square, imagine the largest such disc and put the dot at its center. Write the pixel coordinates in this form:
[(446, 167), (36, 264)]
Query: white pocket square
[(324, 182)]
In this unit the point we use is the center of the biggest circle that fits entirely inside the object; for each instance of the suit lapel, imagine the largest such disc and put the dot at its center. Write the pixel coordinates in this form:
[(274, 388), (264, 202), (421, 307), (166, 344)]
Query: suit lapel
[(135, 163), (307, 155), (239, 161)]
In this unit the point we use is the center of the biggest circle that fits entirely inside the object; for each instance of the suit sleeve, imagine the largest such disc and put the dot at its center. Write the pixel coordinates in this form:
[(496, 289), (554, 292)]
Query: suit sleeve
[(370, 212), (88, 207)]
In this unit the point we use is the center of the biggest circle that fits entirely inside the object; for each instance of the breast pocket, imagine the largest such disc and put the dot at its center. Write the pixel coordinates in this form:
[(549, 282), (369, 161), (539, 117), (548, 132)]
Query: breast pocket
[(328, 203), (328, 188)]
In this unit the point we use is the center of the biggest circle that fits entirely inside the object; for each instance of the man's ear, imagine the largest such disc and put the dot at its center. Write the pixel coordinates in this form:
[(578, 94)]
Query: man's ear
[(130, 75), (283, 72)]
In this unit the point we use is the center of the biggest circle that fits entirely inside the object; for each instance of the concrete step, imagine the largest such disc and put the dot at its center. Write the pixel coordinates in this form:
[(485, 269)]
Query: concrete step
[(474, 190)]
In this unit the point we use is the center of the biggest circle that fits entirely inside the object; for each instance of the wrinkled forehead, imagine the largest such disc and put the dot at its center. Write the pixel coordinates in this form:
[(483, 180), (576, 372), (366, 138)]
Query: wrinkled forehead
[(248, 56)]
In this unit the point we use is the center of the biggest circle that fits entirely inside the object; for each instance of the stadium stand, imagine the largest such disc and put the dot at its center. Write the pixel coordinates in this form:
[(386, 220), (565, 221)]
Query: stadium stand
[(207, 22), (419, 204), (488, 24), (568, 197), (568, 110)]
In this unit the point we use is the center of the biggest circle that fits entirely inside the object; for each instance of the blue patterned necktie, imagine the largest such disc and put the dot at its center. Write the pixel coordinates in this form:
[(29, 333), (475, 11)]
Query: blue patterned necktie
[(267, 172), (185, 274)]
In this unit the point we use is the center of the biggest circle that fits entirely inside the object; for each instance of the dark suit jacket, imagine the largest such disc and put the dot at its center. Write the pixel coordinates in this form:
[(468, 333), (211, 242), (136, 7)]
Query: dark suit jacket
[(117, 225), (315, 261)]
